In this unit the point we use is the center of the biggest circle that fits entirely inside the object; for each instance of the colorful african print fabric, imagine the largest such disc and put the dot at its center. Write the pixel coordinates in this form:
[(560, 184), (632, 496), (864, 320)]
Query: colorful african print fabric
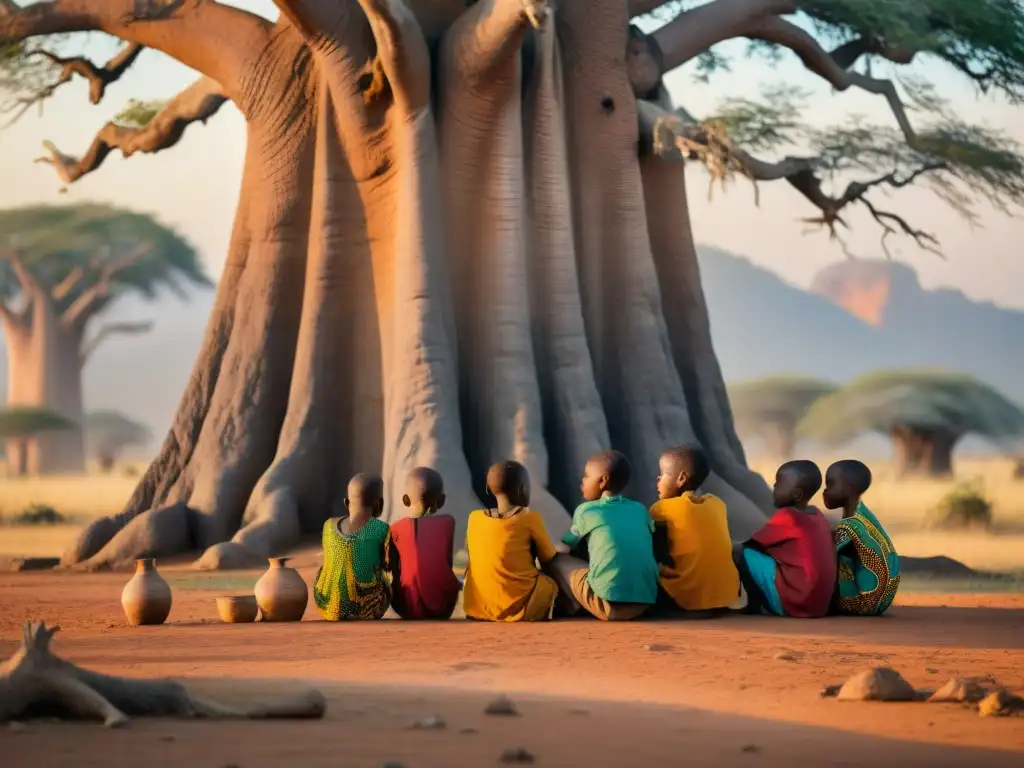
[(869, 568), (351, 583)]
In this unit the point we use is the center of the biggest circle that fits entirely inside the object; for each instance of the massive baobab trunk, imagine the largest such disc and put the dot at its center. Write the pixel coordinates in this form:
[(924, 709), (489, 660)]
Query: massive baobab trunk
[(923, 452), (433, 263)]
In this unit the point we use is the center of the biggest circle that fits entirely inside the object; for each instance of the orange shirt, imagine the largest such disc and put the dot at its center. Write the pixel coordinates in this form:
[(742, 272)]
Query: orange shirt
[(702, 575), (502, 581)]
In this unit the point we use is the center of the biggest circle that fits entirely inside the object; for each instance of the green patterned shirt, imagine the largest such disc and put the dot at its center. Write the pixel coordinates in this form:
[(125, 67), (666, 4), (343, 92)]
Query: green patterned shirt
[(351, 583)]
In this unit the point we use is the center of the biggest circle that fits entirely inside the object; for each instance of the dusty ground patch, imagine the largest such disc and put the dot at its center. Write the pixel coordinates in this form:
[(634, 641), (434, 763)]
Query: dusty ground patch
[(736, 691)]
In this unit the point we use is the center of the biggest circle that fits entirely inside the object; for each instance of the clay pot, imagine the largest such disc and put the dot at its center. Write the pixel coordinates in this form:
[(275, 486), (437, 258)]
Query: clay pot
[(281, 592), (237, 609), (146, 599)]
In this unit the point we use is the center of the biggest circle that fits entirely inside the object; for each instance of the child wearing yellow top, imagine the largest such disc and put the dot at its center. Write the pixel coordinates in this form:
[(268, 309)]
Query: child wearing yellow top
[(691, 533), (503, 582)]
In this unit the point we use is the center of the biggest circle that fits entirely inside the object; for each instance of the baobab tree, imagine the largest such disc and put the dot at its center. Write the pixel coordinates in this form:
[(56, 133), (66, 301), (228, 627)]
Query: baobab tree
[(108, 433), (20, 425), (925, 413), (462, 234), (772, 407), (61, 269)]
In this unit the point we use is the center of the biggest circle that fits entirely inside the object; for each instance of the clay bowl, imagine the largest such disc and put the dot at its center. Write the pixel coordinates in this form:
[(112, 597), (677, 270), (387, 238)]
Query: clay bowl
[(237, 609)]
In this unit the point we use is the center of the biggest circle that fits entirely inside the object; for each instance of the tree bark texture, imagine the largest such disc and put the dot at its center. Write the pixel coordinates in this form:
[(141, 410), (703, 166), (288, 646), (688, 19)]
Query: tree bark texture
[(447, 251), (923, 452), (45, 370)]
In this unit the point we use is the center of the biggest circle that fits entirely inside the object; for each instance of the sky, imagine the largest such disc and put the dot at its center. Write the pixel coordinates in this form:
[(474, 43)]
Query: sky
[(194, 186)]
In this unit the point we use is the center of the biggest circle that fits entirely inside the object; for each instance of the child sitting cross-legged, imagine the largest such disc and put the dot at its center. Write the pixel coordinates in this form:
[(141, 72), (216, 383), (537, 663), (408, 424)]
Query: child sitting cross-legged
[(869, 568), (351, 583), (620, 581), (691, 535), (788, 567), (503, 582), (423, 583)]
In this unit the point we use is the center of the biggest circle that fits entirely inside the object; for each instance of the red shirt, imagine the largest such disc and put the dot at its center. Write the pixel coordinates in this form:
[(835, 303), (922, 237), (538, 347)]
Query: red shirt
[(425, 587), (805, 558)]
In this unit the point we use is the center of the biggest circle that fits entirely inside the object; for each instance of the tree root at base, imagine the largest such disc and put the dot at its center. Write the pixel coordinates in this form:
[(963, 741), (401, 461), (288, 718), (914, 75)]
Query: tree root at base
[(35, 683)]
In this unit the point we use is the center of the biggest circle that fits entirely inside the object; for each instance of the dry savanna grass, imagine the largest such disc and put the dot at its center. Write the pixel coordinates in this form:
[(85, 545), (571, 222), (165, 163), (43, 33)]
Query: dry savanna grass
[(903, 505)]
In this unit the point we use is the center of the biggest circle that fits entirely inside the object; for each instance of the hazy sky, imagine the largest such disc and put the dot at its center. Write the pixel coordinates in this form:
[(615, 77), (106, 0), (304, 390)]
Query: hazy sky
[(194, 186)]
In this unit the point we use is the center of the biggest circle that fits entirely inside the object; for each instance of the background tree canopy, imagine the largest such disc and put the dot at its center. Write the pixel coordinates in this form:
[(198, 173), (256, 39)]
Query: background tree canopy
[(771, 408), (62, 243)]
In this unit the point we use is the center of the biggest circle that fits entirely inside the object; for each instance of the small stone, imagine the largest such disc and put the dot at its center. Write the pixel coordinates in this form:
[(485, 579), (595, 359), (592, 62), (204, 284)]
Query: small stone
[(501, 707), (468, 731), (16, 726), (958, 690), (931, 671), (785, 657), (1000, 704), (751, 749), (878, 684), (656, 648), (517, 756), (429, 724)]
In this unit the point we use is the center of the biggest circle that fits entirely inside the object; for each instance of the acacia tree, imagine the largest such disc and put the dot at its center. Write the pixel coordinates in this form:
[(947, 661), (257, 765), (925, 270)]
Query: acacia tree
[(20, 425), (62, 268), (771, 408), (108, 433), (461, 235), (925, 413)]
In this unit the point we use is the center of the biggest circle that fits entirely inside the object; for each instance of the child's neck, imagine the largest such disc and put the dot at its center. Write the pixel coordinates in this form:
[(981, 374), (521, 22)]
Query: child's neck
[(803, 507), (850, 507), (611, 494), (357, 517), (421, 510), (505, 506)]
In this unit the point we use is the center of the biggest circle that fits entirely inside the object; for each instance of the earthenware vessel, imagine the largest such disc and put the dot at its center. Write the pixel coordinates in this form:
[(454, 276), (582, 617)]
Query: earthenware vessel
[(237, 609), (281, 593), (146, 599)]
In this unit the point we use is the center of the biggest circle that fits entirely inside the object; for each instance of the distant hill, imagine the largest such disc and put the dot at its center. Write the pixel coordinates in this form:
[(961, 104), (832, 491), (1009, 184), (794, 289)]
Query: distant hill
[(930, 327)]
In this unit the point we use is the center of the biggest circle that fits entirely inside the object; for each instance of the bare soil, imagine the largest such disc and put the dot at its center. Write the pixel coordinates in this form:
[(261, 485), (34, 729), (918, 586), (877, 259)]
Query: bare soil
[(735, 691)]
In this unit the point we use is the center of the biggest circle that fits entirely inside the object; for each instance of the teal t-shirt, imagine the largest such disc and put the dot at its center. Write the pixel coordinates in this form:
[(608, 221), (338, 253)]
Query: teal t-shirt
[(618, 532)]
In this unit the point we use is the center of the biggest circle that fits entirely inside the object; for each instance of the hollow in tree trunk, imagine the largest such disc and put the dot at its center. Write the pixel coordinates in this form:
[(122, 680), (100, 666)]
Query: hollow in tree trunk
[(446, 252), (923, 452)]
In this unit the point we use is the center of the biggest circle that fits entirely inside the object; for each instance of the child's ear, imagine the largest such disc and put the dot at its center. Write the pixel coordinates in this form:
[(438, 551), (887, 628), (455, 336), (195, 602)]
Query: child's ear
[(441, 500), (347, 502), (683, 479), (603, 482), (406, 500)]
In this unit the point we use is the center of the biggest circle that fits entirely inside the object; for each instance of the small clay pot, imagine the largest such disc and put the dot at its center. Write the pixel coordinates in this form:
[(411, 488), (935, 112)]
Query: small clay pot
[(237, 609), (281, 593), (146, 599)]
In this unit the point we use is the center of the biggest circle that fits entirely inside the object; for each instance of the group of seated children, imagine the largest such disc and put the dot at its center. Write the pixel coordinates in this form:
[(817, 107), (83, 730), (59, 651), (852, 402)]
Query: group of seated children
[(619, 560)]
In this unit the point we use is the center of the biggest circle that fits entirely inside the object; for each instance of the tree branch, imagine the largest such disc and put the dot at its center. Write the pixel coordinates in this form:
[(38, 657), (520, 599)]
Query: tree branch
[(677, 136), (99, 77), (113, 329), (28, 283), (216, 39), (86, 305), (402, 55), (695, 31), (197, 103), (822, 63)]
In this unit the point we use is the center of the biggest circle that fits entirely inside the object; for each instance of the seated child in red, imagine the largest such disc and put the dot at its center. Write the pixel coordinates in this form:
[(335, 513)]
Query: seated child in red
[(423, 583), (789, 566)]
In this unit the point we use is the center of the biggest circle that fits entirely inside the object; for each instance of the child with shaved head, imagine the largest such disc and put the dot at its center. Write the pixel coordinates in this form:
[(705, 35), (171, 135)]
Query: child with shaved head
[(620, 581), (869, 568), (351, 582), (505, 543), (789, 566), (691, 532), (423, 583)]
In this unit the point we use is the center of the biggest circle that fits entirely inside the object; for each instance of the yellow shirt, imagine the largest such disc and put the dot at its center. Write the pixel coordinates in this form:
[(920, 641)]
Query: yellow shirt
[(502, 582), (702, 575)]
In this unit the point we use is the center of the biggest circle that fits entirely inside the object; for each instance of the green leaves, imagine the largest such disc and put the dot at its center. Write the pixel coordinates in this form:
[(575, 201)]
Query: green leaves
[(54, 241), (775, 399), (139, 114), (923, 399), (27, 421)]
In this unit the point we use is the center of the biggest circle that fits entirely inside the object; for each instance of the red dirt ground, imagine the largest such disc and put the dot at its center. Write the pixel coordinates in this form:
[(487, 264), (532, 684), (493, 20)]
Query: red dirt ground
[(736, 691)]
